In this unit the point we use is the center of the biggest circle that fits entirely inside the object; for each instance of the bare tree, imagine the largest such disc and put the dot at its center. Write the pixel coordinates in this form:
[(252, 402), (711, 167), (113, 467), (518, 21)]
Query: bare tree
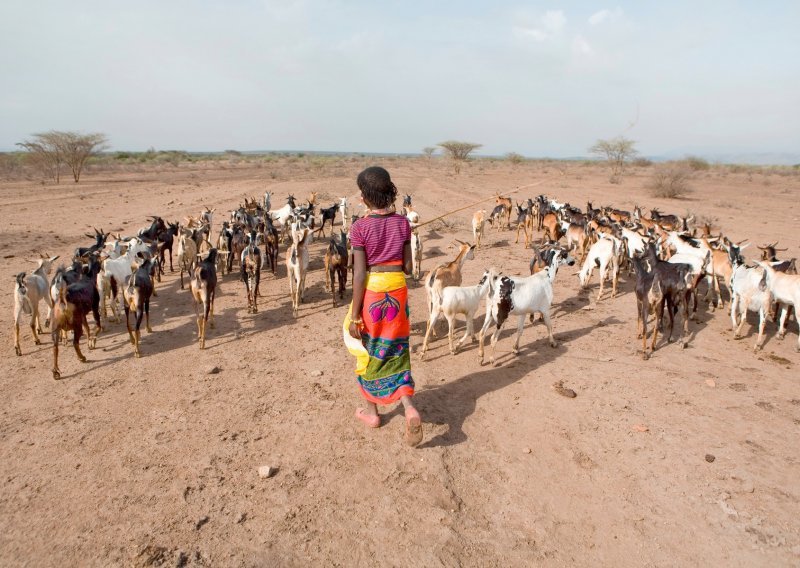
[(53, 149), (514, 158), (617, 152), (458, 152), (45, 153)]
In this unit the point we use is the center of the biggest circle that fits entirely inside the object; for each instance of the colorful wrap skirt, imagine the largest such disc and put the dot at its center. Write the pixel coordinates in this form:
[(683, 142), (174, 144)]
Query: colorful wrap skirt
[(383, 360)]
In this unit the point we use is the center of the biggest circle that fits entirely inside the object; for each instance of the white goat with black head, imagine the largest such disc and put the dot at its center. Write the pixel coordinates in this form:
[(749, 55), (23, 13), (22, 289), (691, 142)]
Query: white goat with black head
[(521, 296), (749, 291)]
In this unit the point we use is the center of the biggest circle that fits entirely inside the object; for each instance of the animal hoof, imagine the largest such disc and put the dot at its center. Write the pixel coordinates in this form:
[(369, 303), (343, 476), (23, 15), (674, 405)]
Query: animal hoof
[(56, 375), (781, 335), (138, 355), (554, 344), (149, 330), (18, 351), (82, 359), (46, 323), (645, 356), (683, 345)]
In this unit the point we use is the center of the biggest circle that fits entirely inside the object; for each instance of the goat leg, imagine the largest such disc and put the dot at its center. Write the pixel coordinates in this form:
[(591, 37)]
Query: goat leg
[(56, 341), (17, 348), (782, 324), (520, 328), (762, 321), (147, 316)]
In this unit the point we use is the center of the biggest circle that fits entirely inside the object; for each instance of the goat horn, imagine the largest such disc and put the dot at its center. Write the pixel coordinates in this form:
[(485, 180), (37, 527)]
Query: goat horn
[(781, 250), (762, 248)]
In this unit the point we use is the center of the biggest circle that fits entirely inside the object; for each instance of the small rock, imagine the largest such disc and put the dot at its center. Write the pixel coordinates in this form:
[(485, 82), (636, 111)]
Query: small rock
[(711, 383), (564, 391), (214, 370), (241, 518), (266, 471), (527, 450), (710, 458), (641, 428), (200, 522), (317, 373)]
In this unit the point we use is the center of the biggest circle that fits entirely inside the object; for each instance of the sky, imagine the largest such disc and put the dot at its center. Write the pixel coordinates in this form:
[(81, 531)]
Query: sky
[(542, 79)]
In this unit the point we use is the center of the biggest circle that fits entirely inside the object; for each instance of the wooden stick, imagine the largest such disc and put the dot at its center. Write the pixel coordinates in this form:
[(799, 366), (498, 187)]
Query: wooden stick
[(487, 199)]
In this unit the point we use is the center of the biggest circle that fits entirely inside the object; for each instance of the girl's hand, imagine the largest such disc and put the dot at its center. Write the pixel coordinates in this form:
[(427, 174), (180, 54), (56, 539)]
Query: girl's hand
[(355, 329)]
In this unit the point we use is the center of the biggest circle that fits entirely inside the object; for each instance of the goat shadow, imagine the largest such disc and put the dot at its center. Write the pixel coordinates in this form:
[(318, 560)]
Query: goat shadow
[(453, 402)]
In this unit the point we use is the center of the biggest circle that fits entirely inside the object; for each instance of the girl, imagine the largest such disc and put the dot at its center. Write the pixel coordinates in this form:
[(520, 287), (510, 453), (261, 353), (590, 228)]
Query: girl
[(376, 328)]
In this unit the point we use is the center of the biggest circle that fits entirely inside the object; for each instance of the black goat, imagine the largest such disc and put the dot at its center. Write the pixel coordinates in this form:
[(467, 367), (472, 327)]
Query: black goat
[(336, 262), (328, 214), (100, 241), (661, 285), (75, 297), (136, 293), (251, 272)]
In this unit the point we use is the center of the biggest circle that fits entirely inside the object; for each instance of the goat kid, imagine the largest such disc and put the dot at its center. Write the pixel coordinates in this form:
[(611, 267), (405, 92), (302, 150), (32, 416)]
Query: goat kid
[(461, 300)]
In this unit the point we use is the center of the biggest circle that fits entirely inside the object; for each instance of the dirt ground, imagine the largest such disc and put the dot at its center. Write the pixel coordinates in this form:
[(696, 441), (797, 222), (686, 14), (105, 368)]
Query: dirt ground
[(155, 460)]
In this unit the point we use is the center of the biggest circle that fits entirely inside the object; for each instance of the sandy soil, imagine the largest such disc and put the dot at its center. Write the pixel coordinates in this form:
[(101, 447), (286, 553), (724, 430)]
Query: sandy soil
[(154, 461)]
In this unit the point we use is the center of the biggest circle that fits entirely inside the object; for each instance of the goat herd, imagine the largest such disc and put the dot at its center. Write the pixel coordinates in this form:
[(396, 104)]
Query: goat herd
[(669, 257)]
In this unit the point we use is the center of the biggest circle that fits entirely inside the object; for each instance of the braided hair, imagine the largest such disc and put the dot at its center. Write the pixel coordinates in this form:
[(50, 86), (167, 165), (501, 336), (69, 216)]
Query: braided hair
[(377, 188)]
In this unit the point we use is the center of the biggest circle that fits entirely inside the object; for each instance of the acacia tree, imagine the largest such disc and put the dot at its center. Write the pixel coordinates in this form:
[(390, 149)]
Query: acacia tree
[(428, 151), (458, 152), (45, 153), (617, 152), (54, 148)]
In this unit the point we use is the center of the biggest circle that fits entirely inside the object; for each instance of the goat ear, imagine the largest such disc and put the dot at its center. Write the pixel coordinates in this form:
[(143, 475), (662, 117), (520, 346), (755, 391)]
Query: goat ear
[(54, 258)]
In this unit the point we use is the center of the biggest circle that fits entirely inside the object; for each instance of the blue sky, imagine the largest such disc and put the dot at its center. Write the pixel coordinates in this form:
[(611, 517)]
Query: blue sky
[(537, 78)]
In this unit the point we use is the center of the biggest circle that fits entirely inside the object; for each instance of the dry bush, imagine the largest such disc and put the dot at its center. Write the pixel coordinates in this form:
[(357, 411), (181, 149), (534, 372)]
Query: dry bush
[(642, 163), (696, 164), (671, 181)]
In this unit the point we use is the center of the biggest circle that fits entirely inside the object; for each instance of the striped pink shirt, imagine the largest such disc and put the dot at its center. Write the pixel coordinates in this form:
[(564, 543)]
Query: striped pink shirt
[(381, 237)]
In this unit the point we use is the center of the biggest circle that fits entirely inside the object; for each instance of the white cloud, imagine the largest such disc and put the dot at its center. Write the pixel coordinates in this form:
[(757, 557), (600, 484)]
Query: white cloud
[(549, 26), (554, 20), (605, 15), (581, 46)]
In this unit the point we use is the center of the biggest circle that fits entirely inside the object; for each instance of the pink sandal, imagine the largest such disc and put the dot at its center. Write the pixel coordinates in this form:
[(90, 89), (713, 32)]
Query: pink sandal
[(371, 420), (413, 427)]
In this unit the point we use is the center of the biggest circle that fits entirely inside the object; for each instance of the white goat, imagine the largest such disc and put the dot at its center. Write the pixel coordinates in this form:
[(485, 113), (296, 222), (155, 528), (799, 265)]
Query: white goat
[(115, 273), (749, 291), (461, 300), (521, 296), (29, 290), (604, 254), (416, 253), (343, 211), (267, 201), (22, 305), (187, 255), (448, 274), (785, 289), (297, 264)]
